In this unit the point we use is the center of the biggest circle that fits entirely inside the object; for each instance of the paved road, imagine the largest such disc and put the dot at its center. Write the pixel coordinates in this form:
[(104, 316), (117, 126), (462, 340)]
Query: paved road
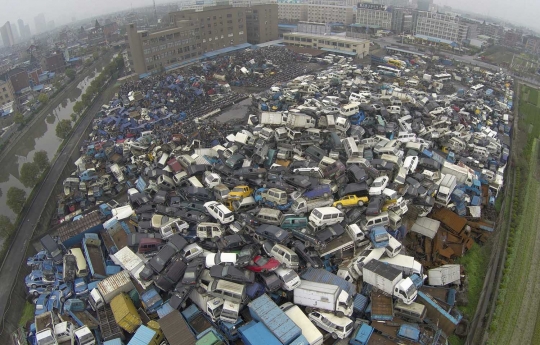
[(386, 41), (9, 270)]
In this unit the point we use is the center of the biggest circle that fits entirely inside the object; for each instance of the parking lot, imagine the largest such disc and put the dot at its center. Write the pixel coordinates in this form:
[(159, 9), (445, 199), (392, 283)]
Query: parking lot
[(337, 201)]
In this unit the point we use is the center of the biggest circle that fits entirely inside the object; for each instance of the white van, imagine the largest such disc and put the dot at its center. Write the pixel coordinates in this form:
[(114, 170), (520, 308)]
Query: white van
[(245, 204), (229, 291), (309, 331), (165, 182), (394, 246), (339, 327), (288, 277), (481, 151), (207, 230), (412, 82), (410, 163), (392, 159), (323, 216), (185, 160), (180, 178), (406, 137), (162, 163), (286, 256), (194, 181), (349, 109), (370, 221), (351, 148), (401, 176)]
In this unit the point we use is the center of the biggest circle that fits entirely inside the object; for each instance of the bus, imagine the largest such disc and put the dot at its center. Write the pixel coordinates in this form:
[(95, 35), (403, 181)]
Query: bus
[(390, 71), (442, 77), (477, 87)]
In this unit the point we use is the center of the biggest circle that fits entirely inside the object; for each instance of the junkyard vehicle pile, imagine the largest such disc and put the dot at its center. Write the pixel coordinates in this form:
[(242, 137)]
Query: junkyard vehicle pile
[(335, 214)]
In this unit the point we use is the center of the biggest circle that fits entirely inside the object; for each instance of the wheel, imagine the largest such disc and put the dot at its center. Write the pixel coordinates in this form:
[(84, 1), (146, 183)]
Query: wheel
[(360, 203), (325, 195), (340, 314), (34, 286), (62, 299), (35, 294), (309, 310), (259, 176), (241, 178), (340, 206), (334, 335)]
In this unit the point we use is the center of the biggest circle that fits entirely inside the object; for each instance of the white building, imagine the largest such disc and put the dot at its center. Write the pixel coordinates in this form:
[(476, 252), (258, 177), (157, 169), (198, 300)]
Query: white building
[(335, 44), (374, 16), (330, 14), (440, 26)]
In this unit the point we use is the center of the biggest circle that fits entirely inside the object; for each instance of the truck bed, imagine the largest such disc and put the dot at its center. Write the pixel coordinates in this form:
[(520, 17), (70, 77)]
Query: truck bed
[(382, 307), (97, 259), (199, 323), (108, 326), (44, 321), (343, 242), (377, 339)]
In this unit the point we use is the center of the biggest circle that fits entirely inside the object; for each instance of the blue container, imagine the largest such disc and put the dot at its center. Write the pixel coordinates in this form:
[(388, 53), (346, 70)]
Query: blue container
[(360, 304), (264, 310), (362, 335), (143, 336), (255, 333)]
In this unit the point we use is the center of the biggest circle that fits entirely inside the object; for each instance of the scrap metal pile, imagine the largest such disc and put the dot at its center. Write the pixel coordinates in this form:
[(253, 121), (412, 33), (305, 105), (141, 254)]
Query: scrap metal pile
[(335, 212)]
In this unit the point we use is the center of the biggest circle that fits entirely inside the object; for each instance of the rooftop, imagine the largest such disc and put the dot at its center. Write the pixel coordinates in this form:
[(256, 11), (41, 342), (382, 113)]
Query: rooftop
[(330, 37)]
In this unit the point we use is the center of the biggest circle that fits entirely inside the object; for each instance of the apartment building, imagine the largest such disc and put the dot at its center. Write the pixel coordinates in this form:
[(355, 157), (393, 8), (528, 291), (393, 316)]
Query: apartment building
[(335, 44), (7, 35), (330, 14), (7, 93), (373, 16), (440, 26), (292, 11), (262, 23)]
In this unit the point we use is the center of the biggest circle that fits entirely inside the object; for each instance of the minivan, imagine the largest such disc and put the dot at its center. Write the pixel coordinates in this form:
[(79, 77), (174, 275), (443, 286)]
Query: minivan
[(185, 160), (229, 291), (180, 178), (273, 233), (370, 221), (285, 256), (245, 204), (208, 230), (269, 216), (195, 182), (323, 216), (339, 327), (294, 222), (162, 163)]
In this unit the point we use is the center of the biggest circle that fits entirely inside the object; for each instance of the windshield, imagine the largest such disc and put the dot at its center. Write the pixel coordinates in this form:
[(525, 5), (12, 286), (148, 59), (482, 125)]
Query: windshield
[(189, 275), (381, 237), (239, 190), (377, 184), (411, 291), (262, 261), (289, 276), (294, 258)]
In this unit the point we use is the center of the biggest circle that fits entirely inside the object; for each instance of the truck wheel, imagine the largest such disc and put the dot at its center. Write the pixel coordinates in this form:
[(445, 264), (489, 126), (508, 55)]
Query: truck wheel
[(360, 203), (35, 294), (340, 314), (34, 286), (334, 335), (340, 206), (325, 195), (62, 299), (241, 178), (259, 176)]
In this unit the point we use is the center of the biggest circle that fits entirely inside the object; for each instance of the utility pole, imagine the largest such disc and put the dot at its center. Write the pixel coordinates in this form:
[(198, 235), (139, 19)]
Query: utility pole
[(155, 12)]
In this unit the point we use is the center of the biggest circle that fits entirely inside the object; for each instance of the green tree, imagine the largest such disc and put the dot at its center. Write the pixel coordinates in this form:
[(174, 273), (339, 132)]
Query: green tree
[(15, 199), (18, 118), (41, 159), (78, 107), (70, 73), (73, 117), (95, 56), (63, 128), (86, 98), (6, 226), (43, 98), (29, 174)]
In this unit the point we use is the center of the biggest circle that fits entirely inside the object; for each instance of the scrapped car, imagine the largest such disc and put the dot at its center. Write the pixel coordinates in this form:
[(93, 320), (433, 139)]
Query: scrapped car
[(263, 264), (378, 185), (221, 258), (220, 212), (350, 201), (233, 274)]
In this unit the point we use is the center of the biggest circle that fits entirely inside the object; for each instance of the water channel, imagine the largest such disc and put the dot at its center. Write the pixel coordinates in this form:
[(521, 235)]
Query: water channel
[(41, 136)]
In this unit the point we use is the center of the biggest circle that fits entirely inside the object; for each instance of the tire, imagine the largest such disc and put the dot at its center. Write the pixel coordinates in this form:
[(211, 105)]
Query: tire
[(35, 294), (334, 336), (309, 310), (259, 176), (340, 314), (325, 195), (360, 203), (241, 178), (339, 206), (62, 299), (34, 286)]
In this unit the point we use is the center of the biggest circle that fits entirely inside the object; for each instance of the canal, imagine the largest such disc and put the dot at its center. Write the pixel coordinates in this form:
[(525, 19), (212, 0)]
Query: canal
[(41, 136)]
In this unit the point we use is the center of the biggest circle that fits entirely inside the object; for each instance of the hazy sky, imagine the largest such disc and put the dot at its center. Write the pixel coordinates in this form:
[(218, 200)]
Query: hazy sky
[(61, 11)]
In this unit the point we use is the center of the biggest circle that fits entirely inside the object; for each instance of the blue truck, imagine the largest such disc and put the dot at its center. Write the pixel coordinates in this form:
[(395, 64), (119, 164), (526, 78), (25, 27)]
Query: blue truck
[(199, 322), (91, 245), (266, 311)]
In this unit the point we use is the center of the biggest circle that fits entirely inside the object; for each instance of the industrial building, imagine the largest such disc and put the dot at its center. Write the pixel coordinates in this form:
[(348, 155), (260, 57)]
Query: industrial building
[(262, 23), (373, 16), (440, 27)]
